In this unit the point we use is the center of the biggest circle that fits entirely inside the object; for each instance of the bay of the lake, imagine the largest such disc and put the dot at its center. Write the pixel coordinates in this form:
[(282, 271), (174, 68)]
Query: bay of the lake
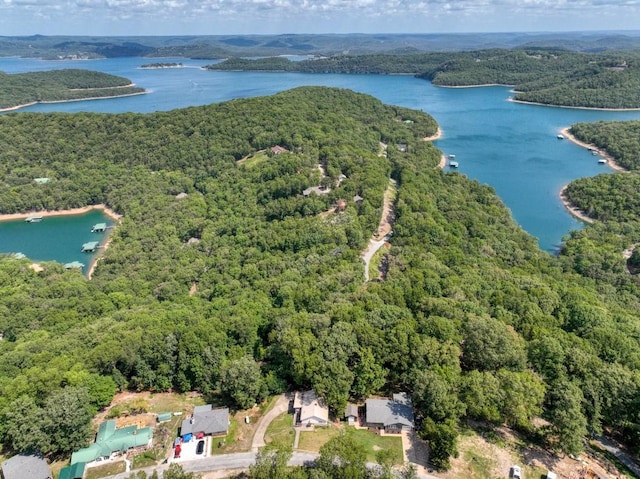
[(510, 146), (55, 238)]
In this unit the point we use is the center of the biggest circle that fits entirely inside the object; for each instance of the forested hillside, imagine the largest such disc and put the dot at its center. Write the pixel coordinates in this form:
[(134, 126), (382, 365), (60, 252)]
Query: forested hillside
[(552, 77), (608, 249), (60, 85), (244, 274)]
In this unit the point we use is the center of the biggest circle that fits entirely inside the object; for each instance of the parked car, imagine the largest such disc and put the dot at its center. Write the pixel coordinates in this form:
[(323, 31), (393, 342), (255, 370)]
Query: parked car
[(516, 472), (200, 447), (177, 451)]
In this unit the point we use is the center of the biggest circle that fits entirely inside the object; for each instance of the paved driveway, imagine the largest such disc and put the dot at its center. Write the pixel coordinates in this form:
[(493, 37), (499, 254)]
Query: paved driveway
[(281, 406)]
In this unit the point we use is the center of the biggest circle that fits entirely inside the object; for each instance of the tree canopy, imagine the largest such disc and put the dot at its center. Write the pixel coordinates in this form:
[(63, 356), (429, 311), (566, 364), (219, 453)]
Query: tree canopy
[(246, 277)]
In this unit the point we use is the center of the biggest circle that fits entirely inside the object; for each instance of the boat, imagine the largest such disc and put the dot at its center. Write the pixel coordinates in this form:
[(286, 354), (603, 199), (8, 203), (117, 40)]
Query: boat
[(33, 219), (560, 137), (602, 161), (453, 164), (452, 157), (594, 152)]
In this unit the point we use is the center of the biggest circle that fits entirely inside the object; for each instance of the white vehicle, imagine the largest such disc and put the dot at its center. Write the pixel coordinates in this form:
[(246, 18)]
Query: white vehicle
[(515, 472)]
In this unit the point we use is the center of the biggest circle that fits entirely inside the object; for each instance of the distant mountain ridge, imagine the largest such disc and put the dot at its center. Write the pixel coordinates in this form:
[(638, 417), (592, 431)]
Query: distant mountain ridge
[(222, 46)]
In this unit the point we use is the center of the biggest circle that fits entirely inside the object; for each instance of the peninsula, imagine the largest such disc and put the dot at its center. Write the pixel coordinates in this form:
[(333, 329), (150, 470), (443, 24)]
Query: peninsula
[(23, 89), (546, 77)]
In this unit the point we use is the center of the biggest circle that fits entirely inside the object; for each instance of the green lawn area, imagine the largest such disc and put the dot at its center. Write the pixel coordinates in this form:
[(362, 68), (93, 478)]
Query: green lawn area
[(373, 443), (281, 430), (145, 459), (105, 471), (254, 159), (223, 445), (312, 441)]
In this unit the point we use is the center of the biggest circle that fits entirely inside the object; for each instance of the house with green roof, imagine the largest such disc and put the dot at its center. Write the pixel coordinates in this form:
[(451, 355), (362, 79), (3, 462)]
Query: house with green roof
[(110, 440), (74, 471)]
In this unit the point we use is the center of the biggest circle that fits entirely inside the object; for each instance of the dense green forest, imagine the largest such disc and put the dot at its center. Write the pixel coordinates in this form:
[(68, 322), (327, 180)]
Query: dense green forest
[(552, 77), (60, 85), (241, 288), (612, 199)]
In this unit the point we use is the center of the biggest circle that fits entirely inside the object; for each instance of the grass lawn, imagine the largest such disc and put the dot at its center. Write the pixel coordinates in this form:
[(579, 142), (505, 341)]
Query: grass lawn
[(105, 471), (312, 441), (145, 459), (373, 443), (252, 160), (241, 433), (281, 430)]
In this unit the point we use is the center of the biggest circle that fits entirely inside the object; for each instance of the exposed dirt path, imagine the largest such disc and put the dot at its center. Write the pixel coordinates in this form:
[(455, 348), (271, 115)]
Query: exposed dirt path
[(381, 236)]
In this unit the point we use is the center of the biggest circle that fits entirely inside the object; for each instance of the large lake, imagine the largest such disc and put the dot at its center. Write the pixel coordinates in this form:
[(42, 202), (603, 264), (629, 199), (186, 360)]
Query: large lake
[(510, 146)]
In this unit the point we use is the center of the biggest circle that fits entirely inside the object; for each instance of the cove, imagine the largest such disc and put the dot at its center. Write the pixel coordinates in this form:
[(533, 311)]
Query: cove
[(509, 146), (55, 238)]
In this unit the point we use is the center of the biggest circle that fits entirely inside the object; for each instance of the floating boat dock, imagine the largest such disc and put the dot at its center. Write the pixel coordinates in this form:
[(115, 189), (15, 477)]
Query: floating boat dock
[(74, 265), (560, 137), (453, 164), (99, 228), (452, 157), (33, 219), (602, 161), (90, 247)]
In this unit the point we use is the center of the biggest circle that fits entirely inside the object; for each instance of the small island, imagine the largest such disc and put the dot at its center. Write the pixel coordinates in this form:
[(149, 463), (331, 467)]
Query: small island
[(23, 89), (155, 66)]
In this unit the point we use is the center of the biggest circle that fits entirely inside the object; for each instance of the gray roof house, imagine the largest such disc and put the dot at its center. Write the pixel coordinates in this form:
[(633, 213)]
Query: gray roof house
[(206, 420), (351, 413), (391, 415), (26, 467)]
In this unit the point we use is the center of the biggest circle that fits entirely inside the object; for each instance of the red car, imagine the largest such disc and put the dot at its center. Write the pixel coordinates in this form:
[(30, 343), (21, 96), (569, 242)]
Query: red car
[(177, 451)]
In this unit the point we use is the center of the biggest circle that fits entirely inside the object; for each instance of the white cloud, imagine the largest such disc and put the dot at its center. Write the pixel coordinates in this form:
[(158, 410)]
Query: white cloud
[(267, 16)]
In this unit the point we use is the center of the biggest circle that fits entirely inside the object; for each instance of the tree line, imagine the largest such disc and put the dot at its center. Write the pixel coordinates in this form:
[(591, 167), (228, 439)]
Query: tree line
[(60, 85), (242, 289), (551, 77)]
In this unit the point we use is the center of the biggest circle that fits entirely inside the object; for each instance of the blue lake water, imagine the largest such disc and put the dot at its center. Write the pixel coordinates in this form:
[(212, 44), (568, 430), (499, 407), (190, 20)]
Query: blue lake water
[(510, 146), (55, 238)]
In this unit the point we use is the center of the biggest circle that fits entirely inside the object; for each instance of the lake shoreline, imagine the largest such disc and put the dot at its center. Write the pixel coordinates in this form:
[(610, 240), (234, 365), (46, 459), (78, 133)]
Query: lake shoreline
[(69, 212), (44, 102), (573, 211), (513, 100), (611, 161), (73, 212)]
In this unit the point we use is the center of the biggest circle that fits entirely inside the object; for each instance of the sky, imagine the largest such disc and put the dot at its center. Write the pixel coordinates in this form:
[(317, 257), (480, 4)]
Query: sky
[(221, 17)]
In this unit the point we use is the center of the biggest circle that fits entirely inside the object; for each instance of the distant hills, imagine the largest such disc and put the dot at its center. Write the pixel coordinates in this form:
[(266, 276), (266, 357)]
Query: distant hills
[(222, 46)]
